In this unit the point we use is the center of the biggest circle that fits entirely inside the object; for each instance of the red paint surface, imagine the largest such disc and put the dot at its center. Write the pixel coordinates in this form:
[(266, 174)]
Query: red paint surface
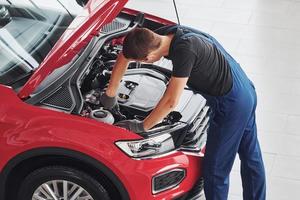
[(25, 127)]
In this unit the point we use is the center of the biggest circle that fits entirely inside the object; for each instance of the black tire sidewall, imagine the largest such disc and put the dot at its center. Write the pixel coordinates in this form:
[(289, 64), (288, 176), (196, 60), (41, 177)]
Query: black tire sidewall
[(43, 175)]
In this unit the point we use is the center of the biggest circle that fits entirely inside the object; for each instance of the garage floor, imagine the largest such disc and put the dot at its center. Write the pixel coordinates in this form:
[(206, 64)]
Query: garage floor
[(263, 35)]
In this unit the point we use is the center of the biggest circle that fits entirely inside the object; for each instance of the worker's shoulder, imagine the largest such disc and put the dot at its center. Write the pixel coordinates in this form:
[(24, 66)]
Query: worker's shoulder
[(189, 41)]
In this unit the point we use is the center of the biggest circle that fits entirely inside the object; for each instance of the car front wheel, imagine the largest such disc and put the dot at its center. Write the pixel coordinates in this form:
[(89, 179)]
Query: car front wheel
[(61, 183)]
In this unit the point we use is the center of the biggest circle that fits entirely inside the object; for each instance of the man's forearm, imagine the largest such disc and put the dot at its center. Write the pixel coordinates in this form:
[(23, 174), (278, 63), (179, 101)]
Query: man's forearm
[(163, 108), (117, 74), (167, 103)]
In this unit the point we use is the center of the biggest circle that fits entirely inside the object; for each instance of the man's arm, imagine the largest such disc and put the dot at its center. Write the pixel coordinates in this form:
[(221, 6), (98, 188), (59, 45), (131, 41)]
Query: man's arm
[(167, 103), (117, 74)]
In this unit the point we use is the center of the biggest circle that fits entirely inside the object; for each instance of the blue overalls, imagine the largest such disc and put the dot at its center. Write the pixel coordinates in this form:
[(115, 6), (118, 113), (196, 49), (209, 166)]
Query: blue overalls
[(232, 130)]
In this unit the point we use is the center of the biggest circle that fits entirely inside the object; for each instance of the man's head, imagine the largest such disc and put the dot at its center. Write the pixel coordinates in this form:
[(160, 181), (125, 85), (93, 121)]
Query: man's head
[(142, 44)]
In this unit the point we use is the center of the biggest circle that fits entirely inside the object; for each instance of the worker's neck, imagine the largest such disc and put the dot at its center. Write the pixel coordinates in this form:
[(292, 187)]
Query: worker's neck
[(165, 44)]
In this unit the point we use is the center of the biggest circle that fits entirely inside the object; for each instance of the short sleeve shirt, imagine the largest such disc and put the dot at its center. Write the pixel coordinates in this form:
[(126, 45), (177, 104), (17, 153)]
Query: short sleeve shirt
[(199, 60)]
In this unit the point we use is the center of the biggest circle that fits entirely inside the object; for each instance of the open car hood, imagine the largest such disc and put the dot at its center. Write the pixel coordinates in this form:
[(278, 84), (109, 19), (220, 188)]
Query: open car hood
[(86, 25)]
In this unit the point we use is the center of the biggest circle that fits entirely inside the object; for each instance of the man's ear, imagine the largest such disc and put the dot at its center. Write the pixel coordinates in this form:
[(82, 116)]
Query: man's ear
[(152, 55), (149, 57)]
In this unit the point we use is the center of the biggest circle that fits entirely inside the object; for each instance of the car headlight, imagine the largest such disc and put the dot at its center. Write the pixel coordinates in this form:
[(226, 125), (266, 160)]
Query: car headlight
[(151, 146)]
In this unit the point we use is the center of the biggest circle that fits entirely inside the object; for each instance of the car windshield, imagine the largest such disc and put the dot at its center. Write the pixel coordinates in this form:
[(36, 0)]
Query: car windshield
[(28, 31)]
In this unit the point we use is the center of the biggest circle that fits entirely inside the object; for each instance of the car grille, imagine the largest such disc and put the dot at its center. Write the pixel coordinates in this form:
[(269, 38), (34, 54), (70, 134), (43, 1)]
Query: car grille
[(196, 193), (167, 180), (196, 137), (197, 190)]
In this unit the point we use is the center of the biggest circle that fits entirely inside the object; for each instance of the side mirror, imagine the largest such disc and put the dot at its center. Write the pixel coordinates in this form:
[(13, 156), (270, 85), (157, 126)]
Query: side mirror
[(82, 2)]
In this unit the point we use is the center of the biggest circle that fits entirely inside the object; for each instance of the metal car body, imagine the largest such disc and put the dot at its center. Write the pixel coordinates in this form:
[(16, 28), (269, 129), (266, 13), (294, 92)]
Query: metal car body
[(47, 116)]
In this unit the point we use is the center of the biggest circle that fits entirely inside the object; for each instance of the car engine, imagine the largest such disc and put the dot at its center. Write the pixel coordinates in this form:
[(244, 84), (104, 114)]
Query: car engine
[(140, 90)]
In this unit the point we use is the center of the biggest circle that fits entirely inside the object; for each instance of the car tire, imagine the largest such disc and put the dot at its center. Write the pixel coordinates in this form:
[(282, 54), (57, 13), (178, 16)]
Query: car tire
[(59, 181)]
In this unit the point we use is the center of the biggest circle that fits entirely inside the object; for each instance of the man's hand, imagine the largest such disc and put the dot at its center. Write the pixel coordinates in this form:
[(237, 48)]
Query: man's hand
[(132, 125), (167, 103), (117, 73), (108, 102)]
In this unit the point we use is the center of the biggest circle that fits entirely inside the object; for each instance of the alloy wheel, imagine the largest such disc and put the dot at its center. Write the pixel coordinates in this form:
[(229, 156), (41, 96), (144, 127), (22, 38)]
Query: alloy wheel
[(61, 190)]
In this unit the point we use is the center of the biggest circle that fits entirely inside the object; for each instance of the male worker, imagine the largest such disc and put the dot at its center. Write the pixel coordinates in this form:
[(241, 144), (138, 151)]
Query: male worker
[(201, 62)]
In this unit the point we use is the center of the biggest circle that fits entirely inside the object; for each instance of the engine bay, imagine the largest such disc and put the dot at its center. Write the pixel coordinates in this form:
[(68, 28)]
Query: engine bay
[(140, 90), (76, 89)]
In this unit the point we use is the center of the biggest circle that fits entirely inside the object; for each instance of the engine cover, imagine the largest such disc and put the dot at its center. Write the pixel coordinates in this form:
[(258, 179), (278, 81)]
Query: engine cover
[(141, 89)]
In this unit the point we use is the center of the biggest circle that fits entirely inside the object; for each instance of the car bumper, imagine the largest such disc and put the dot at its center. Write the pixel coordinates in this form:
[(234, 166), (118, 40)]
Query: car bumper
[(196, 193), (138, 176)]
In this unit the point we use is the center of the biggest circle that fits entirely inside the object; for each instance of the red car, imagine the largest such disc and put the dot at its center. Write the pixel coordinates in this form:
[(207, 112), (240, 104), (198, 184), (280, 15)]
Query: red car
[(56, 140)]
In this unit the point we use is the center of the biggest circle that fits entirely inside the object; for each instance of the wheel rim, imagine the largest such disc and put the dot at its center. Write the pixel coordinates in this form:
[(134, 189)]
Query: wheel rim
[(60, 190)]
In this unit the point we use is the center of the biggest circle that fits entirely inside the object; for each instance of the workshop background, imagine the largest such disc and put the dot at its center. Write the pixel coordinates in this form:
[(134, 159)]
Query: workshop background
[(263, 36)]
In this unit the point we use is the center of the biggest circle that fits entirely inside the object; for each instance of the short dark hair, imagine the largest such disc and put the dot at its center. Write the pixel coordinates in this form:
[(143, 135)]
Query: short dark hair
[(139, 42)]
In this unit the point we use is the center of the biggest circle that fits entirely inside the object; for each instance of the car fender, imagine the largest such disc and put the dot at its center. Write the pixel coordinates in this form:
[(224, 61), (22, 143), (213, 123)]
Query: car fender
[(25, 128)]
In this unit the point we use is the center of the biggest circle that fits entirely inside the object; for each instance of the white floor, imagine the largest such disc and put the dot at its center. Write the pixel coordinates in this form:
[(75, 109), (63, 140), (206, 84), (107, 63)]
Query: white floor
[(263, 35)]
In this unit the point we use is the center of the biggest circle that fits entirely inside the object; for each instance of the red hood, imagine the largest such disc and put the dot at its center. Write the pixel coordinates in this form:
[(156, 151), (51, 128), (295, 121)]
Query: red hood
[(86, 25)]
